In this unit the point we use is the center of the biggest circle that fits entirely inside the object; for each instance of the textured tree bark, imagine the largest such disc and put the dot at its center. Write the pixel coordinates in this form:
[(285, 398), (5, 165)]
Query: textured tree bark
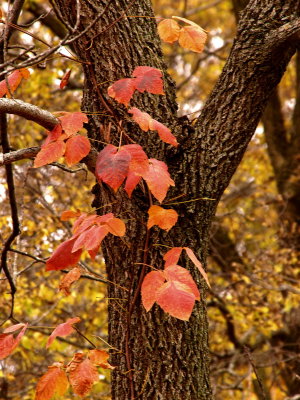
[(157, 356)]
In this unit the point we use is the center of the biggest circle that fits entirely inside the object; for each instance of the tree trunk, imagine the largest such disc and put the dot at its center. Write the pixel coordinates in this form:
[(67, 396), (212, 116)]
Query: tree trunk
[(157, 356)]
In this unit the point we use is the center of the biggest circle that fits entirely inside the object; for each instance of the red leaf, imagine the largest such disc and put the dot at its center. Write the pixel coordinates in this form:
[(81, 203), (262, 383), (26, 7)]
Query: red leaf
[(7, 342), (141, 118), (158, 179), (99, 358), (131, 182), (53, 382), (148, 79), (53, 135), (71, 277), (198, 264), (177, 299), (62, 330), (122, 90), (90, 238), (151, 283), (139, 163), (164, 133), (65, 79), (63, 257), (172, 256), (112, 166), (50, 153), (83, 223), (165, 219), (145, 122), (77, 147), (13, 81), (82, 374), (73, 122), (168, 30), (182, 275)]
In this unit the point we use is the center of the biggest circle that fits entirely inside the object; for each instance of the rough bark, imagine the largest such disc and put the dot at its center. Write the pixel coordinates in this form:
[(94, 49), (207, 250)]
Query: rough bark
[(157, 356)]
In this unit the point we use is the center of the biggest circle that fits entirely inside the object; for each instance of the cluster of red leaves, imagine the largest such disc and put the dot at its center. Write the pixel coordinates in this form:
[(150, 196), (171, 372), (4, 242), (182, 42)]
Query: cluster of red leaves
[(88, 232), (144, 79), (10, 84), (130, 162), (191, 37), (81, 373), (63, 141), (173, 289)]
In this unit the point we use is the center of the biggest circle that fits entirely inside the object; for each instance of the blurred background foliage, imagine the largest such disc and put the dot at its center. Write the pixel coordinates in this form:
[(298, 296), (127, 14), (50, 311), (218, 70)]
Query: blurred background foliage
[(254, 254)]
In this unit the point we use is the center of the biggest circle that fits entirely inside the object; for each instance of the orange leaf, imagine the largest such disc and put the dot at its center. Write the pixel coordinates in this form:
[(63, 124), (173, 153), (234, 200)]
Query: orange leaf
[(116, 226), (139, 163), (63, 257), (192, 38), (7, 342), (50, 153), (73, 122), (122, 90), (158, 179), (164, 133), (198, 264), (90, 238), (131, 182), (71, 277), (177, 299), (65, 79), (141, 118), (99, 358), (62, 330), (53, 382), (77, 147), (13, 81), (165, 219), (148, 79), (172, 256), (112, 166), (151, 283), (82, 374), (168, 30), (68, 214)]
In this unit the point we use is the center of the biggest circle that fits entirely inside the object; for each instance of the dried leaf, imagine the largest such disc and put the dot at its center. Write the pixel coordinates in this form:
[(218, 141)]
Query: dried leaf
[(82, 374), (65, 79), (53, 382), (198, 264), (99, 358), (71, 277), (165, 219), (192, 38), (168, 30)]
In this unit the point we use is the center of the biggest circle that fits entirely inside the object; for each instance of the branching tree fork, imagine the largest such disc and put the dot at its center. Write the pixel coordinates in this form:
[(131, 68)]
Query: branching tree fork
[(160, 357)]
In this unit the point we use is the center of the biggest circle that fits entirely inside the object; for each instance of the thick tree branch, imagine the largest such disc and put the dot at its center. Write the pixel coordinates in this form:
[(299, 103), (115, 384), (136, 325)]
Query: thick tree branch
[(28, 111)]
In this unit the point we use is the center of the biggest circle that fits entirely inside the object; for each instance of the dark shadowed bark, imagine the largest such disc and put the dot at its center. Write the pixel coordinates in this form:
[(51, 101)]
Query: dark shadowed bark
[(157, 356)]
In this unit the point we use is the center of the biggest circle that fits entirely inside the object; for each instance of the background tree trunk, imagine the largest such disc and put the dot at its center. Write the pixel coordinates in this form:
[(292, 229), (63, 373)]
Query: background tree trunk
[(157, 356)]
